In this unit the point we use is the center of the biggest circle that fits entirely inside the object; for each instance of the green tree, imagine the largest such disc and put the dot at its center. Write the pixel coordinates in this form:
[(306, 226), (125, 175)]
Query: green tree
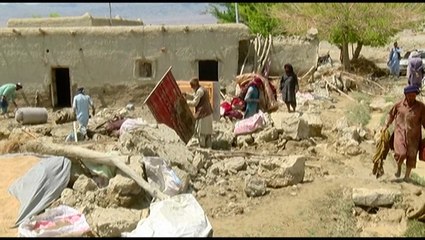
[(363, 24), (254, 15), (54, 15)]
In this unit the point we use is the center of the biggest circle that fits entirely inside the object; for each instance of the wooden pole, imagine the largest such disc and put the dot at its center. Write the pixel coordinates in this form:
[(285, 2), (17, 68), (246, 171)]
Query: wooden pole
[(76, 153)]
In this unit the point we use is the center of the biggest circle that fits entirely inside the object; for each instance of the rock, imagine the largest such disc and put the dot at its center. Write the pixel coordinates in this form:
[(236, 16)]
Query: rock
[(198, 185), (255, 187), (216, 168), (294, 127), (352, 148), (315, 124), (267, 135), (317, 75), (281, 172), (244, 140), (391, 215), (84, 184), (130, 107), (124, 185), (235, 164), (351, 133), (198, 161), (223, 141), (374, 197), (312, 33), (4, 132), (111, 222), (341, 124), (184, 178), (380, 105), (201, 194), (69, 197), (293, 194)]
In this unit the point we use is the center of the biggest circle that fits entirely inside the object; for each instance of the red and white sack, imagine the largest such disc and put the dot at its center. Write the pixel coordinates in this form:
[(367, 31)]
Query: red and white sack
[(250, 125)]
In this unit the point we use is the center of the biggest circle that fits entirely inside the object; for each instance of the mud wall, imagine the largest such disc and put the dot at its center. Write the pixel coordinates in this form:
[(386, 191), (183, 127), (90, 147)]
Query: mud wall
[(298, 51), (97, 56)]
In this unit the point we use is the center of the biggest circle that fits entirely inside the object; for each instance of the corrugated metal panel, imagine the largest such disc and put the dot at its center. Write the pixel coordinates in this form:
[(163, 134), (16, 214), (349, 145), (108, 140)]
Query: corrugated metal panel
[(168, 106)]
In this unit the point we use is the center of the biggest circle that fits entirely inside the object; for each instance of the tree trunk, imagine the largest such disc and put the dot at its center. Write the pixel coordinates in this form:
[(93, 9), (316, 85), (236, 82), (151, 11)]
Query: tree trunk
[(345, 57), (356, 53)]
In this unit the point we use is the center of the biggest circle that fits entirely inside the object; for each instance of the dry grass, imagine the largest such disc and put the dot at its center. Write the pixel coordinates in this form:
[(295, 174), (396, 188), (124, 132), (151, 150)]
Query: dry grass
[(358, 114)]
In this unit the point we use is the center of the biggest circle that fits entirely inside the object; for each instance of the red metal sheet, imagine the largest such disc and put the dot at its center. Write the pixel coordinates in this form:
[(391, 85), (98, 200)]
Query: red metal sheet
[(168, 106)]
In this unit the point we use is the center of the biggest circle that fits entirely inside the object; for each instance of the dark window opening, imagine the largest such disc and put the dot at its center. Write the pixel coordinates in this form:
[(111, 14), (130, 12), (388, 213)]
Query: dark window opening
[(208, 70), (145, 69)]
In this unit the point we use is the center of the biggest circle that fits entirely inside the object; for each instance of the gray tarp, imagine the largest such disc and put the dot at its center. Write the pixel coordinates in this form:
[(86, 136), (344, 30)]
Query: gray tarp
[(42, 184)]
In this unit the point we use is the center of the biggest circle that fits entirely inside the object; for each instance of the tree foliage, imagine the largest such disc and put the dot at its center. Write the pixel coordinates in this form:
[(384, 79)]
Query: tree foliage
[(371, 24), (254, 15)]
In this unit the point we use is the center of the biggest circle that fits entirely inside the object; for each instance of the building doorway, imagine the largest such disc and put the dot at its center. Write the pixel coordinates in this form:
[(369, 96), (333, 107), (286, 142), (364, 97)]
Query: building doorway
[(61, 87), (208, 70)]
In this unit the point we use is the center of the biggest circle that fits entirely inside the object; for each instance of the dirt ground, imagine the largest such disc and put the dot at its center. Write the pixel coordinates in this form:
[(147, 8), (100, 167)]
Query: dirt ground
[(318, 208), (13, 168)]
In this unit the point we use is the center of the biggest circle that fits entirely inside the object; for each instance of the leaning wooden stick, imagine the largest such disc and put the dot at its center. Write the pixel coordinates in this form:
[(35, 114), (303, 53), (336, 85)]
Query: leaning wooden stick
[(75, 153)]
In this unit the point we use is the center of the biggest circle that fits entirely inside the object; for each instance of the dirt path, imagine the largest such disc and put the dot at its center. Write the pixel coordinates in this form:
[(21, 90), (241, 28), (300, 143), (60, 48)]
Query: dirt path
[(13, 168), (322, 208)]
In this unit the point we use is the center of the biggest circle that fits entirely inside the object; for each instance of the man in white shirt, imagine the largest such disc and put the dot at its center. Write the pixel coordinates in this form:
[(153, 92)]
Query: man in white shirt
[(81, 105)]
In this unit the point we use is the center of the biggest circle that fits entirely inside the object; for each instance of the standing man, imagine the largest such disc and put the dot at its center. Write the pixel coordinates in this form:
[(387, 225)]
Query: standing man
[(81, 105), (394, 60), (409, 117), (416, 69), (203, 113), (8, 94)]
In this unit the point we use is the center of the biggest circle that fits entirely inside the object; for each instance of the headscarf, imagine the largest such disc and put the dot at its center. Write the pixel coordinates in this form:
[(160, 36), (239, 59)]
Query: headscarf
[(289, 70), (411, 89), (415, 54)]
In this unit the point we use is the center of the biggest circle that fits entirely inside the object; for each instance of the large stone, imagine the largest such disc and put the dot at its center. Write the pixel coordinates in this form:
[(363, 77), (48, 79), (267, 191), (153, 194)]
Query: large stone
[(255, 187), (380, 105), (111, 222), (69, 197), (292, 125), (84, 184), (281, 172), (267, 135), (315, 124), (124, 185), (235, 164), (374, 197)]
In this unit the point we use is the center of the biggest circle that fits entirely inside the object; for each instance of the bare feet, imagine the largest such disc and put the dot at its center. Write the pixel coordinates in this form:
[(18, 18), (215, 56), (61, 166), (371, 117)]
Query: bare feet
[(407, 179)]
